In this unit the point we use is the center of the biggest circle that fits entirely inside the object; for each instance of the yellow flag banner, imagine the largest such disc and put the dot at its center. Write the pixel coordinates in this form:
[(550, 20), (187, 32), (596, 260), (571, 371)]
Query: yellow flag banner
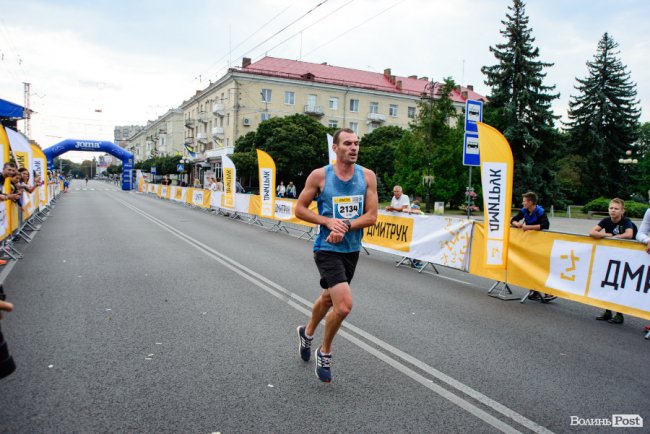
[(4, 205), (229, 180), (267, 172), (40, 164), (496, 180), (330, 151)]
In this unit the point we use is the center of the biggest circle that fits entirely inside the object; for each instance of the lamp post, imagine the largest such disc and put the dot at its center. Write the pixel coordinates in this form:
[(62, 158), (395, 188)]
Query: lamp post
[(626, 162), (428, 179)]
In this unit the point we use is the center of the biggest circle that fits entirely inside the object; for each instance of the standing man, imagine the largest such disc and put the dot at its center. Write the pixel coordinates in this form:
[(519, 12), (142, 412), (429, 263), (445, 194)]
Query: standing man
[(400, 202), (347, 203)]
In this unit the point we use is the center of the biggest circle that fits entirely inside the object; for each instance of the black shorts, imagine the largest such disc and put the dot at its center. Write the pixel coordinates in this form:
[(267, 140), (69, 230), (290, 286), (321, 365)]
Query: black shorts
[(335, 267)]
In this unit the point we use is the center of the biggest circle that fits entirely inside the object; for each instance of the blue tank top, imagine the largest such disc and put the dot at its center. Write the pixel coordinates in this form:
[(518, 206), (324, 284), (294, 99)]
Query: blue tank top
[(341, 200)]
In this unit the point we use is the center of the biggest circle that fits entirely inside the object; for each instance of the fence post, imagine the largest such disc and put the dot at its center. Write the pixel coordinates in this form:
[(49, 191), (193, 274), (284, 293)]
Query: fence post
[(552, 211), (568, 211)]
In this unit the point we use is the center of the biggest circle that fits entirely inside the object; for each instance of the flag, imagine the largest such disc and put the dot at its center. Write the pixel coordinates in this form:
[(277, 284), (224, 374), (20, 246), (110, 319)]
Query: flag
[(229, 180), (266, 167), (4, 205), (332, 155), (496, 179), (190, 150)]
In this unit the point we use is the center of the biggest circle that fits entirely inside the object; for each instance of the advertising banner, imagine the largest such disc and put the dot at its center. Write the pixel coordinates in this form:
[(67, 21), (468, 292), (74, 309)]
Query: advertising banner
[(4, 157), (199, 197), (611, 274), (330, 151), (267, 172), (178, 193), (229, 180), (496, 180), (439, 240)]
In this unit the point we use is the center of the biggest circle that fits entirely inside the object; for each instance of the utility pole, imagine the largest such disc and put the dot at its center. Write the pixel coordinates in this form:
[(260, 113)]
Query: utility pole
[(427, 180), (27, 130)]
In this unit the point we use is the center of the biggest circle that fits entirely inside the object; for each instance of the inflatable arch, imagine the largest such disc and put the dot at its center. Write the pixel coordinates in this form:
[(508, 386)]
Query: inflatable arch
[(94, 146)]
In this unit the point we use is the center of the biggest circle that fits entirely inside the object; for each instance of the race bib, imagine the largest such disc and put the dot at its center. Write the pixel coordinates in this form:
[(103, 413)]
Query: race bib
[(347, 207)]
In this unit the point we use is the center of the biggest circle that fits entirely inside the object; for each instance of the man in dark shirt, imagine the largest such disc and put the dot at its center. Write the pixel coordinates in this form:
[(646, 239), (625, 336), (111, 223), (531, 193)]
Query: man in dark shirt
[(614, 226), (8, 171), (532, 218)]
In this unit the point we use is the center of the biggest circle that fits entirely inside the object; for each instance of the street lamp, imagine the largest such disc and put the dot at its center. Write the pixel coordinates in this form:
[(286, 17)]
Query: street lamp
[(626, 162), (428, 179)]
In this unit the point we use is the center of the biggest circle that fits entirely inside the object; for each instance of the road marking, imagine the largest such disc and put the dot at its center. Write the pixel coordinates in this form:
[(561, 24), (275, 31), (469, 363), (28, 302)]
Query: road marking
[(304, 306)]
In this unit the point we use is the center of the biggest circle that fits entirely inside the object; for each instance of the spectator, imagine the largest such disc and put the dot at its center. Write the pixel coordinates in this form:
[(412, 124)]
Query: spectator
[(291, 190), (281, 189), (8, 170), (239, 188), (400, 202), (24, 180), (415, 207), (213, 184), (219, 185), (643, 235), (532, 217), (614, 226)]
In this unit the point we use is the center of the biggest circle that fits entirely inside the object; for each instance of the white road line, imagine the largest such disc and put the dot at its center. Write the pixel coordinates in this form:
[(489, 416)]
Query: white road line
[(304, 306)]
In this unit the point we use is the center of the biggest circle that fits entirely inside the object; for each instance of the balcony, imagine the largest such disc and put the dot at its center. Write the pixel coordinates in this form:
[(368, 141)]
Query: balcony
[(217, 132), (218, 110), (190, 122), (202, 138), (314, 110), (376, 117), (203, 117), (219, 151)]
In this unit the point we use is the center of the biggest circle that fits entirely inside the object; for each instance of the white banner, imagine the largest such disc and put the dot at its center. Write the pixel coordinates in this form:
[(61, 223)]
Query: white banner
[(331, 153), (283, 209), (439, 240), (4, 220), (178, 194)]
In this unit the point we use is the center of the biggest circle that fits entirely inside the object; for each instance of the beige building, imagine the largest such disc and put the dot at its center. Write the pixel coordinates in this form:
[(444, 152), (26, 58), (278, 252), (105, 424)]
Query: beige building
[(337, 97), (163, 137)]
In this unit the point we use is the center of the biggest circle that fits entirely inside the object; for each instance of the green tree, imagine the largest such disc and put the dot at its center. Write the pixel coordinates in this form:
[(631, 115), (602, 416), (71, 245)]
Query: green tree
[(377, 153), (297, 144), (520, 107), (603, 122), (641, 176), (434, 146)]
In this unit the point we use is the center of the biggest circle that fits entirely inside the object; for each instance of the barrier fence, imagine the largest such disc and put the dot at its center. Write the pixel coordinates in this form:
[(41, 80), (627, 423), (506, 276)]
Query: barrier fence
[(607, 273)]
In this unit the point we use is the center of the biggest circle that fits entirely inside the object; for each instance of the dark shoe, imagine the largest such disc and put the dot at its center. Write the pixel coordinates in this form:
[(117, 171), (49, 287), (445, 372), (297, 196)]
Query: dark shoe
[(304, 344), (534, 295), (606, 316), (618, 319), (323, 363), (548, 298)]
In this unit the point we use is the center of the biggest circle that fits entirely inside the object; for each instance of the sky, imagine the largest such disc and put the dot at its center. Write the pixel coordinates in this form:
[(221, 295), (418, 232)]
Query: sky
[(94, 65)]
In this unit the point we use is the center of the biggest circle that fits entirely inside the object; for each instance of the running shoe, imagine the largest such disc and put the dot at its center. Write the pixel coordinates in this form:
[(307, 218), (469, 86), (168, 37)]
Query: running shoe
[(304, 344), (618, 319), (323, 363), (606, 316)]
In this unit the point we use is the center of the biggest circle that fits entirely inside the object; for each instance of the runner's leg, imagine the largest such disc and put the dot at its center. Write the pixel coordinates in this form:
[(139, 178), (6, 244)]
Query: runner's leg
[(341, 300), (318, 312)]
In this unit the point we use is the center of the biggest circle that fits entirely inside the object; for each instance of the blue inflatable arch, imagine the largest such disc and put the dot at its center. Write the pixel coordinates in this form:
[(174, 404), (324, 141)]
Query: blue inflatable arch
[(94, 146)]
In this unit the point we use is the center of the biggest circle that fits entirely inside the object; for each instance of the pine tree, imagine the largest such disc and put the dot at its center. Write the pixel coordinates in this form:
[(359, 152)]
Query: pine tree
[(520, 107), (603, 122)]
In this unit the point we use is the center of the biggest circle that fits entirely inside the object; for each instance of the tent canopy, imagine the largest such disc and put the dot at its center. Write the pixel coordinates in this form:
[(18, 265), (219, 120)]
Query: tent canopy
[(11, 110)]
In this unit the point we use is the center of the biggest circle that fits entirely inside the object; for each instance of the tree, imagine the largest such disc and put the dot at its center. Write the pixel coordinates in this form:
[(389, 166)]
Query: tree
[(297, 144), (436, 140), (377, 153), (520, 107), (641, 177), (603, 122)]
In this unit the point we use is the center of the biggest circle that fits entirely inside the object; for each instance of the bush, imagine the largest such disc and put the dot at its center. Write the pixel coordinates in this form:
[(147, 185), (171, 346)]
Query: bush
[(632, 209)]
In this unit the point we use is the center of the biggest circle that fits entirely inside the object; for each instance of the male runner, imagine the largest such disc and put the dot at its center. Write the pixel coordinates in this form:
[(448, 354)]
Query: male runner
[(347, 203)]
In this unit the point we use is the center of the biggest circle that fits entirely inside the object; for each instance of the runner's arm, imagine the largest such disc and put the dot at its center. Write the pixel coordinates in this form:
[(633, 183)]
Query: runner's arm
[(369, 216)]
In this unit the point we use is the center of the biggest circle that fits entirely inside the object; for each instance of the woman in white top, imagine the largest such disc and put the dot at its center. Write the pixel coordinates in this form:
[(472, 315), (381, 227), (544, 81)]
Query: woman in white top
[(644, 231)]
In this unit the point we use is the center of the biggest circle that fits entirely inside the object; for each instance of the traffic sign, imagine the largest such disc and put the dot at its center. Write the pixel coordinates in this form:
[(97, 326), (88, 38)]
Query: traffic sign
[(180, 168), (473, 114), (153, 170), (471, 156)]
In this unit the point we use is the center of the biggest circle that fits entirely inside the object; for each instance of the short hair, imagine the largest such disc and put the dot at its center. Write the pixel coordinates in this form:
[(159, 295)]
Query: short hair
[(531, 197), (621, 202), (398, 187), (9, 164), (338, 133), (22, 169)]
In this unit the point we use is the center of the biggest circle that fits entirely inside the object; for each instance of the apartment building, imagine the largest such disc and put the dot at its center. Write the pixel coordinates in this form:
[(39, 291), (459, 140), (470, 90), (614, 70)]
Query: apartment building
[(162, 137), (337, 97)]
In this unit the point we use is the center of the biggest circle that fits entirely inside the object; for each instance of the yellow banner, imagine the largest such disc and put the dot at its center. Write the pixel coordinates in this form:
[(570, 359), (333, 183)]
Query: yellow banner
[(266, 168), (229, 187), (390, 231), (496, 179), (606, 273), (5, 207)]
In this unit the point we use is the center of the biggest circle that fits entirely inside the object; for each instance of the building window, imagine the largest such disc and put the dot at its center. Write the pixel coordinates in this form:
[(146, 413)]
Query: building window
[(354, 105), (125, 134), (372, 127), (289, 98), (392, 110), (334, 103), (333, 124), (354, 126), (265, 116), (266, 95), (227, 119), (411, 112), (374, 107)]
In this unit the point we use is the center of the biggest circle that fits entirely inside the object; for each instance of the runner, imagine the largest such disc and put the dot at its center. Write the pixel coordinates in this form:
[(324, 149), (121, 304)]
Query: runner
[(347, 203)]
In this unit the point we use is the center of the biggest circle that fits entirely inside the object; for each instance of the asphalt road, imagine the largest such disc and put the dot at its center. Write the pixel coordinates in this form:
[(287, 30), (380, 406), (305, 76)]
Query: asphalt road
[(135, 314)]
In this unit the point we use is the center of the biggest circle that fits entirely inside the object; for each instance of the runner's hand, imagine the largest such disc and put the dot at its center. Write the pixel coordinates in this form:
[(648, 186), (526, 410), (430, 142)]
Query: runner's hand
[(335, 225), (4, 305)]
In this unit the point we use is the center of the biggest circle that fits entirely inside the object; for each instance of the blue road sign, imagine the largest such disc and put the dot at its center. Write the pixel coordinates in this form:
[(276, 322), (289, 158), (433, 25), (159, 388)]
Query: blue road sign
[(471, 156), (180, 168), (473, 114), (153, 170)]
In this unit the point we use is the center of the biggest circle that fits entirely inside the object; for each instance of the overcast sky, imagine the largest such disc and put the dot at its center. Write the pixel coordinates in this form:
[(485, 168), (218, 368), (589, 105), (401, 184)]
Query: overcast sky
[(94, 65)]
